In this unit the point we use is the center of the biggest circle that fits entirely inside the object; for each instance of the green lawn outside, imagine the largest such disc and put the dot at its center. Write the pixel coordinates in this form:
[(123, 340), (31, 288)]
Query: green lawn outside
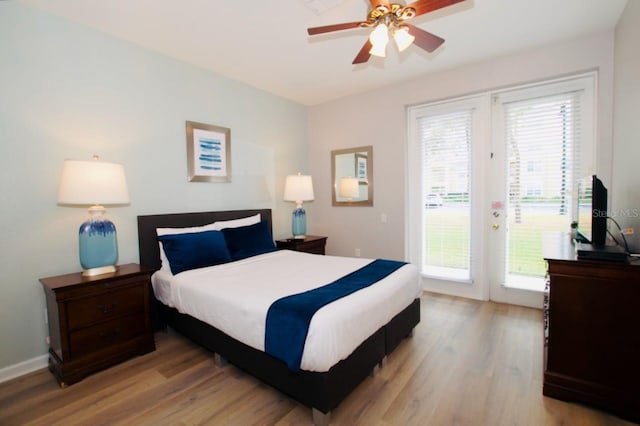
[(447, 231), (525, 242)]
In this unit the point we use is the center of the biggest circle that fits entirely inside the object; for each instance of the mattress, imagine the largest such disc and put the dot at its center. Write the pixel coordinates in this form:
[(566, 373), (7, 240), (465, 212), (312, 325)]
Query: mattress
[(235, 297)]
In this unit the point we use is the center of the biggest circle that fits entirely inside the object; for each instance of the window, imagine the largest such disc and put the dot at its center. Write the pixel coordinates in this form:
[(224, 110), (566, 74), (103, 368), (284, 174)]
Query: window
[(542, 136), (488, 175), (445, 146)]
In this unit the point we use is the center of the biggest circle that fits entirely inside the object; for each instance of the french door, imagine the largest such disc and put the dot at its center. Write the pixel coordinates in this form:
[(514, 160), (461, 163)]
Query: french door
[(445, 221), (488, 176)]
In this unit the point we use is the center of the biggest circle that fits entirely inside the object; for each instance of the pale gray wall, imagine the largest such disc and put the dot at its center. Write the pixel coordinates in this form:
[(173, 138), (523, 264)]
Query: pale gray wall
[(69, 92), (378, 118), (625, 191)]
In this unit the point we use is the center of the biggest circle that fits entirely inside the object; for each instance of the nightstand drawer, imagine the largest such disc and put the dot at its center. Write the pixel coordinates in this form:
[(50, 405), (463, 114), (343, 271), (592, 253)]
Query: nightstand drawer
[(86, 311), (313, 244), (88, 289), (100, 336), (314, 247)]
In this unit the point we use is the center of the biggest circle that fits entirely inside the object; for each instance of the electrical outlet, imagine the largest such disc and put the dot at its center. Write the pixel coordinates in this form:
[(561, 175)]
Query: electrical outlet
[(357, 252)]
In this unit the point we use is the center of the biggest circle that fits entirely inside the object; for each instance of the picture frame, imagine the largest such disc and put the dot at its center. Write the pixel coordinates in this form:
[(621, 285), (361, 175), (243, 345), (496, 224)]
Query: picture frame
[(361, 168), (208, 152), (344, 164)]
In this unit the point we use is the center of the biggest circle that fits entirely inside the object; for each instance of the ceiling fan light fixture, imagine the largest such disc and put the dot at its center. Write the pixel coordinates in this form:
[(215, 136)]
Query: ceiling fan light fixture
[(403, 38), (387, 19), (379, 38), (379, 50)]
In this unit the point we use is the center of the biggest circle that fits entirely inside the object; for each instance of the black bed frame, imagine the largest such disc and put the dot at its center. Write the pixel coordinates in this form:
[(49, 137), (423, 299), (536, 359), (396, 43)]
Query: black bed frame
[(320, 391)]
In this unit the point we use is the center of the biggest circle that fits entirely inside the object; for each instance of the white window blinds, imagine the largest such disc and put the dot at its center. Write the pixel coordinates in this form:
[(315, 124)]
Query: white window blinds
[(446, 172), (542, 137)]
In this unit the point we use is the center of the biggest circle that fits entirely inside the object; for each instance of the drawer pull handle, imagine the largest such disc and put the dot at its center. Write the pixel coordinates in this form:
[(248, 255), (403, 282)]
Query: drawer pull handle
[(109, 334), (108, 308)]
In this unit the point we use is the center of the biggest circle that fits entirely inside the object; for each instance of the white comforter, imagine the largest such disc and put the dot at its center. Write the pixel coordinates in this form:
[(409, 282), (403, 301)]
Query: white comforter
[(235, 297)]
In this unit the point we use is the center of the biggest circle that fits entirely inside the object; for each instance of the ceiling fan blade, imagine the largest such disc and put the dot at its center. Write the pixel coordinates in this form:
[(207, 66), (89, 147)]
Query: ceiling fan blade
[(426, 6), (364, 55), (334, 27), (424, 40)]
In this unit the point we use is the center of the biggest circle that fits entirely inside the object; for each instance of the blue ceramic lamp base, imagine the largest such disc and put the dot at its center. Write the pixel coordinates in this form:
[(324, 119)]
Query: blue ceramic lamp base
[(299, 223), (98, 244)]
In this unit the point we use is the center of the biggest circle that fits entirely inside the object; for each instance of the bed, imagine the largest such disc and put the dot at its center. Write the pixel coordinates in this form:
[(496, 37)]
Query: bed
[(320, 386)]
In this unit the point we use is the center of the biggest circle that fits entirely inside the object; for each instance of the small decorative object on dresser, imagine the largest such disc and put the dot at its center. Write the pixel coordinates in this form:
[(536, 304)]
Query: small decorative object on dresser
[(310, 244), (98, 321)]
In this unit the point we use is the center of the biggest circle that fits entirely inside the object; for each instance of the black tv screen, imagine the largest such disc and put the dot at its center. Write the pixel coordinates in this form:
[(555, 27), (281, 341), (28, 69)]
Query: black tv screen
[(584, 210), (598, 212), (592, 210)]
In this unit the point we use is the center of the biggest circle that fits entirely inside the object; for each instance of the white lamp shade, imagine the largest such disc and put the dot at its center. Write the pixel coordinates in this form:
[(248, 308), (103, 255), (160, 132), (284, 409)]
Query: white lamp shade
[(403, 38), (380, 35), (298, 188), (92, 182), (349, 187), (379, 38)]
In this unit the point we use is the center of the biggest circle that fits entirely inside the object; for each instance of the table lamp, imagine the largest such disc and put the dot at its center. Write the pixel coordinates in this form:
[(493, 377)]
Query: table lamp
[(349, 188), (298, 188), (95, 183)]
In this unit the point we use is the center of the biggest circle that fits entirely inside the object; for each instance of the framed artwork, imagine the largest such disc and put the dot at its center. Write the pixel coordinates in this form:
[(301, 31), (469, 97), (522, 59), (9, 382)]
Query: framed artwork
[(208, 153), (361, 168)]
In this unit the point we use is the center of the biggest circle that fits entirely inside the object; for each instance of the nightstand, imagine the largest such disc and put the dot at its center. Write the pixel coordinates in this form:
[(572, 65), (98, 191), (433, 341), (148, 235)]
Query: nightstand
[(310, 244), (96, 322)]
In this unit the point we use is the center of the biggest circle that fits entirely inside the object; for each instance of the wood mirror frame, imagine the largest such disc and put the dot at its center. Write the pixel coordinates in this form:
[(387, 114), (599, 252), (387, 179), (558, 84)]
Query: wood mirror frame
[(355, 163)]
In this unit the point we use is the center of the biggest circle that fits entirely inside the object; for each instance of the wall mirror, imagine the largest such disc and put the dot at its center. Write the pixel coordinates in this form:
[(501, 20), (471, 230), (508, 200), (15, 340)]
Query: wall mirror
[(352, 176)]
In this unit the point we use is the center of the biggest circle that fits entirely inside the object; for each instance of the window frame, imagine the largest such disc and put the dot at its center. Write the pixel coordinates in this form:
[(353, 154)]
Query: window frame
[(479, 105), (482, 285)]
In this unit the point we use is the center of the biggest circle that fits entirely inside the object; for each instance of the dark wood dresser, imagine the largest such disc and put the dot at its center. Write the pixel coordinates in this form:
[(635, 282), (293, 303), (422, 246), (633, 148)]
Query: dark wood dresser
[(95, 322), (310, 244), (592, 318)]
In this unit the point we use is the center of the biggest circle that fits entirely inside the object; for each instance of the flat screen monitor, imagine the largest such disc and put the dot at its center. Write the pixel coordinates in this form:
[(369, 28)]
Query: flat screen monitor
[(592, 211), (598, 213)]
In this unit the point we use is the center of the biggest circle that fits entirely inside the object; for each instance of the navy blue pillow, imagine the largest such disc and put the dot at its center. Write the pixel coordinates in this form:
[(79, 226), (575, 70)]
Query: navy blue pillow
[(195, 250), (247, 241)]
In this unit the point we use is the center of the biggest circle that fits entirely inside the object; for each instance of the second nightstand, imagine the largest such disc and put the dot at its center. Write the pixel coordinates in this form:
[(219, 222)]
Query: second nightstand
[(310, 244)]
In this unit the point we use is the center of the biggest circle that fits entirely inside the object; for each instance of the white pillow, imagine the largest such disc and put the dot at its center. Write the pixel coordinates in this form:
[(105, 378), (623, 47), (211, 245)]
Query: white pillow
[(237, 223), (215, 226), (173, 231)]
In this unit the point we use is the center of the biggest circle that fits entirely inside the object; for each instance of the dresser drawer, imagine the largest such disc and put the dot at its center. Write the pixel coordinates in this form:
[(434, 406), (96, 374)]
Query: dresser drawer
[(100, 336), (86, 311)]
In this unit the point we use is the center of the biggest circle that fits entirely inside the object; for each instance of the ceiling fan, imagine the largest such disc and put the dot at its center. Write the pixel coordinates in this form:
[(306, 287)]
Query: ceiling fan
[(387, 18)]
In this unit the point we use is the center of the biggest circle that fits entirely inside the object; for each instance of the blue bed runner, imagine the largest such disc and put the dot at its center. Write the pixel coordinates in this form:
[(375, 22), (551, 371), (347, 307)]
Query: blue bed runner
[(288, 318)]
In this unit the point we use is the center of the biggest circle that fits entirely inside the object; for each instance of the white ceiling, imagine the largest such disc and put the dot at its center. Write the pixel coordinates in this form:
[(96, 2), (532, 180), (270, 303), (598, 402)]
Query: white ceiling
[(264, 43)]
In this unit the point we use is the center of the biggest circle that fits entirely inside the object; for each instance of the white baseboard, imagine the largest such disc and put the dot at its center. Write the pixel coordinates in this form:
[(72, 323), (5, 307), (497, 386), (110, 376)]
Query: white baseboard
[(24, 367)]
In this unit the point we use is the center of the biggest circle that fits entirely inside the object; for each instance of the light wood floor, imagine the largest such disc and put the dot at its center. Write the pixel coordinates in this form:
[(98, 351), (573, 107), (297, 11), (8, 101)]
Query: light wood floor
[(469, 363)]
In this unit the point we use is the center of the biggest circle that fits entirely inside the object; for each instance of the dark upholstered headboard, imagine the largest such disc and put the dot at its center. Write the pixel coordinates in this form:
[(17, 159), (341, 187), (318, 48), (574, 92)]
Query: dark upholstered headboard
[(148, 244)]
